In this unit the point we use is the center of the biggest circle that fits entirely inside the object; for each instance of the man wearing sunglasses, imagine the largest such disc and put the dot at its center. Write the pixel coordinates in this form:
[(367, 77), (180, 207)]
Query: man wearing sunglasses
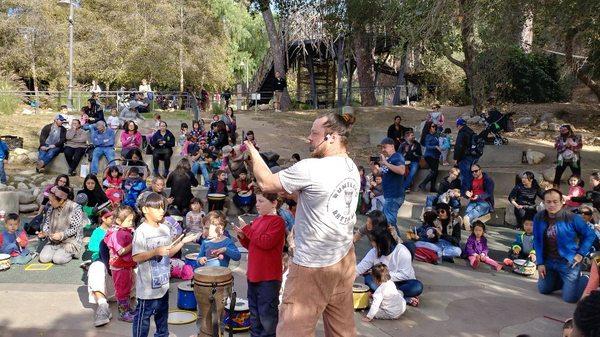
[(480, 192)]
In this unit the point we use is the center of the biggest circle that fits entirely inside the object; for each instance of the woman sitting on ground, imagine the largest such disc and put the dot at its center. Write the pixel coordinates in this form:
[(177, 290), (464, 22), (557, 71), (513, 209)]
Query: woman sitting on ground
[(63, 227), (94, 196), (397, 258), (440, 235), (523, 196)]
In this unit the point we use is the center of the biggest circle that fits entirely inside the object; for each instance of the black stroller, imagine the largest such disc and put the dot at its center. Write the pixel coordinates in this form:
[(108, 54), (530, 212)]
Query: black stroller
[(496, 123)]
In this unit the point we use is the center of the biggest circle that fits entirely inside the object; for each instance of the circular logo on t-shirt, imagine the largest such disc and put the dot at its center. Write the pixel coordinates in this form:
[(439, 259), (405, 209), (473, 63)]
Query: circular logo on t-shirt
[(343, 201)]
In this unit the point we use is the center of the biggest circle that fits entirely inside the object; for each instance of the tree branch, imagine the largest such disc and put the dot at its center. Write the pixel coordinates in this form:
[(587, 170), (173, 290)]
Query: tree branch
[(451, 58)]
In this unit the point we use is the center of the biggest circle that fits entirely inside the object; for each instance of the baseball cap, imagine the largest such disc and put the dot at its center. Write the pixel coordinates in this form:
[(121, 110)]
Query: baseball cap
[(60, 117), (461, 121), (387, 141)]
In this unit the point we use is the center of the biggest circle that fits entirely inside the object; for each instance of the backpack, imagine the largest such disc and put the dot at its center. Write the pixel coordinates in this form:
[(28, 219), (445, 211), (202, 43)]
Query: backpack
[(426, 255), (476, 146)]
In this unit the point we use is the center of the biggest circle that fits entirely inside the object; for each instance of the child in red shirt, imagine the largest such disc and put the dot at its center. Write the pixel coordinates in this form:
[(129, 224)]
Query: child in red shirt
[(119, 240), (264, 239)]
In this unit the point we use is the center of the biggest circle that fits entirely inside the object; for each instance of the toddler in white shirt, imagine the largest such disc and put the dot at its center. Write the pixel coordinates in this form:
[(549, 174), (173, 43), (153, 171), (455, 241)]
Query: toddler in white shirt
[(388, 302)]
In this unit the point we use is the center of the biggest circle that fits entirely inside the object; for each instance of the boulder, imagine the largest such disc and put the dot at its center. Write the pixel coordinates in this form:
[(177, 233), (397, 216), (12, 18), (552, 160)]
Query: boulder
[(33, 157), (9, 201), (19, 179), (20, 151), (30, 173), (509, 215), (28, 208), (525, 121), (475, 120), (22, 186), (553, 126), (543, 125), (26, 197), (264, 107), (549, 174), (534, 157), (547, 117)]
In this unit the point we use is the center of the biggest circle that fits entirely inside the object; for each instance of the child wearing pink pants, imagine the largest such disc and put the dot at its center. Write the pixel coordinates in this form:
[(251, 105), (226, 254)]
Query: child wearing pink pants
[(477, 249)]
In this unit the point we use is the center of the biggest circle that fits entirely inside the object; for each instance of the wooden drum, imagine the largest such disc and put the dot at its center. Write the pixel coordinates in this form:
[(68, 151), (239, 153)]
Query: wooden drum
[(212, 287), (216, 201)]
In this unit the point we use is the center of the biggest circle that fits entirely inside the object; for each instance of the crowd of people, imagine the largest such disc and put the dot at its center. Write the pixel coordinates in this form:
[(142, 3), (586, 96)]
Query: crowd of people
[(301, 242)]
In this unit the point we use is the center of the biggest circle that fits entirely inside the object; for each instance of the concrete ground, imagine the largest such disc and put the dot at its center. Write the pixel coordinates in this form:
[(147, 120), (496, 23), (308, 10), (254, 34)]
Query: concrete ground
[(457, 301)]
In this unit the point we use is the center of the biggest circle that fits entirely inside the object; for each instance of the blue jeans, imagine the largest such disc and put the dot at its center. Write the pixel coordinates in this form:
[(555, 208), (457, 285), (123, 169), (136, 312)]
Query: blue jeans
[(465, 172), (203, 168), (410, 288), (560, 275), (2, 172), (48, 155), (443, 248), (108, 152), (413, 168), (476, 209), (390, 210), (158, 307), (263, 302)]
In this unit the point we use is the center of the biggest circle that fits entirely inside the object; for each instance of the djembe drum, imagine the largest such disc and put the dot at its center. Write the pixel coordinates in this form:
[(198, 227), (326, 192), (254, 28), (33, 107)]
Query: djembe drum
[(212, 286)]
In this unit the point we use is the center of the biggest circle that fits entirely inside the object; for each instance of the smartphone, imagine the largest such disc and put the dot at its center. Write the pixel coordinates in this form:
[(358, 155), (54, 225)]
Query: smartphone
[(374, 159)]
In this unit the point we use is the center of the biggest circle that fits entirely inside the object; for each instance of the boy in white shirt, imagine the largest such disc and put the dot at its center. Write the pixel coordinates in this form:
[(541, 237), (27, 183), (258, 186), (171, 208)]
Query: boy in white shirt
[(388, 302), (113, 121)]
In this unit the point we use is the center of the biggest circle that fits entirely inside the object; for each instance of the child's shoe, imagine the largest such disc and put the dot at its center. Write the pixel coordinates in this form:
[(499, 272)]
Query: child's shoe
[(102, 315), (124, 311)]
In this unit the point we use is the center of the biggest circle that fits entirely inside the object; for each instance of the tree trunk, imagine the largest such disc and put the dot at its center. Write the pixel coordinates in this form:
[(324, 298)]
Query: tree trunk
[(364, 67), (35, 86), (467, 39), (527, 31), (313, 85), (350, 73), (340, 59), (277, 48), (575, 69), (400, 79), (181, 81)]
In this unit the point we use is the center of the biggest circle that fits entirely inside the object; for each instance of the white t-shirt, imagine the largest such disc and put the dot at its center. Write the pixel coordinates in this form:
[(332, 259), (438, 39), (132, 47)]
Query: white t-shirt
[(399, 262), (152, 278), (113, 122), (326, 213), (387, 301)]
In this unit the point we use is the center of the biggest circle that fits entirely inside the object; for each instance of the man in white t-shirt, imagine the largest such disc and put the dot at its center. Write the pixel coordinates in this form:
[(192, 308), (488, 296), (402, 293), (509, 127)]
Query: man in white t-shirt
[(322, 271)]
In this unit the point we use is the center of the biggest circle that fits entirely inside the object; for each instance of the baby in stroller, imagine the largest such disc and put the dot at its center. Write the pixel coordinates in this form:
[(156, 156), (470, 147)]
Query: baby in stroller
[(496, 123)]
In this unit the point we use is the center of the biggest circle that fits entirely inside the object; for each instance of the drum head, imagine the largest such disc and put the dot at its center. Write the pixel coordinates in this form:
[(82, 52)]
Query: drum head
[(177, 218), (240, 304), (360, 288), (192, 256), (178, 317), (185, 286), (216, 196), (212, 274), (245, 194), (4, 256), (519, 262)]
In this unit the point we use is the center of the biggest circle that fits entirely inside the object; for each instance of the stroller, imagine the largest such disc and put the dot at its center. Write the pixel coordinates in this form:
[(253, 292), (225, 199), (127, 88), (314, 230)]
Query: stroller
[(496, 123)]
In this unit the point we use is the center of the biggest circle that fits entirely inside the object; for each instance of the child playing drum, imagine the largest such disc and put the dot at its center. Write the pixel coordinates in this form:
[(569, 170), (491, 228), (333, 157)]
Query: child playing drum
[(217, 248), (152, 249), (522, 248), (264, 240)]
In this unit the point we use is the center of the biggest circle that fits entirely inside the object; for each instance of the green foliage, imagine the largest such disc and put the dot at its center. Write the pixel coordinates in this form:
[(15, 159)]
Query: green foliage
[(217, 109), (9, 102), (521, 78)]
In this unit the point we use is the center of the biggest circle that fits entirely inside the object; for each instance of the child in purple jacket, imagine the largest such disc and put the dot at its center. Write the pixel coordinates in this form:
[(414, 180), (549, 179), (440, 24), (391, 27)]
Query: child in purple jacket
[(477, 249)]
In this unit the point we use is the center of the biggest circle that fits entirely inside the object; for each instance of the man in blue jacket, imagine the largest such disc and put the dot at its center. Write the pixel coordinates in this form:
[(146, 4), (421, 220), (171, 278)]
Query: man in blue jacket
[(561, 239), (480, 192), (103, 139)]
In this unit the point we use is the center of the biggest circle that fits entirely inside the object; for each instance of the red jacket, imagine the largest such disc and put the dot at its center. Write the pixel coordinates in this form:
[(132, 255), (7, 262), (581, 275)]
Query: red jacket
[(264, 241)]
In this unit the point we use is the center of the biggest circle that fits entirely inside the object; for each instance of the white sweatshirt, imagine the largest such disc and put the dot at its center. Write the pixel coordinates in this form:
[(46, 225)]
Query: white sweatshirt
[(398, 262), (388, 302)]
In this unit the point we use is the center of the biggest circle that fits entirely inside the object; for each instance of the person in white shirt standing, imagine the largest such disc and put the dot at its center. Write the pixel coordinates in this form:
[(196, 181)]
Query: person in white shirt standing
[(388, 302), (145, 89), (95, 88), (322, 270)]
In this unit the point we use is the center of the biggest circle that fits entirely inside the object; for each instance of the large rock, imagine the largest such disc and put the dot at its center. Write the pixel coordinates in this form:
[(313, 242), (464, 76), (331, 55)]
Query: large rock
[(9, 202), (28, 208), (26, 198), (547, 117), (33, 156), (19, 150), (549, 174), (534, 157), (525, 121), (22, 186), (553, 126), (543, 125), (19, 179)]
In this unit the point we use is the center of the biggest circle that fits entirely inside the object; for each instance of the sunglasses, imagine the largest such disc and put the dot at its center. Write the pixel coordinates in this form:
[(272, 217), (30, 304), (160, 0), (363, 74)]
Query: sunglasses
[(475, 171), (587, 213)]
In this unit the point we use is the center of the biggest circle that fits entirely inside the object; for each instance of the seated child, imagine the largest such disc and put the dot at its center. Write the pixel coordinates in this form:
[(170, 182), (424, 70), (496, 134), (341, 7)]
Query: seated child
[(244, 197), (250, 137), (216, 246), (193, 218), (376, 194), (477, 248), (217, 185), (388, 302), (113, 179), (14, 241), (522, 248), (133, 186), (119, 239), (587, 213)]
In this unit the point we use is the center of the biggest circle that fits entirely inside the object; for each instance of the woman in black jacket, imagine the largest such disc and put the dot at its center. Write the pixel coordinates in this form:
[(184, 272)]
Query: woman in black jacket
[(181, 181), (523, 196), (162, 142), (220, 137)]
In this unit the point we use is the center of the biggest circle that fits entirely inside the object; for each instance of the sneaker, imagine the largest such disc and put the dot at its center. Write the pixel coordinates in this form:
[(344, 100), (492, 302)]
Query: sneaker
[(102, 316), (126, 316)]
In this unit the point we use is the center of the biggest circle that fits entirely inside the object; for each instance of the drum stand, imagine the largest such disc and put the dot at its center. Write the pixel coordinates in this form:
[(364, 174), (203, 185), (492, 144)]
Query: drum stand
[(216, 320)]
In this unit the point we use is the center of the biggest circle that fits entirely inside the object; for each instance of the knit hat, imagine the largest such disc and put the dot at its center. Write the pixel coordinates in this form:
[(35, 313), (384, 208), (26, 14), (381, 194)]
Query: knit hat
[(461, 122)]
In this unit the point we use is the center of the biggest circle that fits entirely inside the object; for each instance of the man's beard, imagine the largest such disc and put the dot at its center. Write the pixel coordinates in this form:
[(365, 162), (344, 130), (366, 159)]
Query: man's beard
[(316, 152)]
